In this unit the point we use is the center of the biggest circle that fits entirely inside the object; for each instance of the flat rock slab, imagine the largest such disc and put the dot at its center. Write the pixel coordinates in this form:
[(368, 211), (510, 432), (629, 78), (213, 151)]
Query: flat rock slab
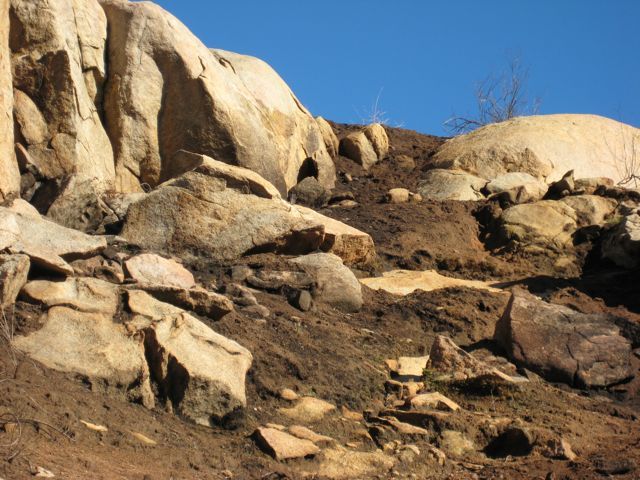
[(561, 344), (405, 282), (339, 463), (83, 294), (154, 269), (308, 409), (282, 445), (48, 244), (433, 400)]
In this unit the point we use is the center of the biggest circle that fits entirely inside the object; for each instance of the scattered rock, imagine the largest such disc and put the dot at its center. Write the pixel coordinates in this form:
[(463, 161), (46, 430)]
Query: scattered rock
[(339, 463), (152, 269), (405, 282), (433, 400), (288, 394), (282, 445), (198, 300), (335, 284), (398, 195), (442, 185), (308, 410), (94, 427), (357, 147), (407, 369), (143, 438), (14, 270), (561, 344), (561, 449), (308, 434)]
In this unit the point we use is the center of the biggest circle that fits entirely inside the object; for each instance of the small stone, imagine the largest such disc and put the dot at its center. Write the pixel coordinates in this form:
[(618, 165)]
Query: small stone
[(308, 434), (434, 400), (151, 268), (302, 300), (288, 394), (398, 195), (282, 446), (308, 409)]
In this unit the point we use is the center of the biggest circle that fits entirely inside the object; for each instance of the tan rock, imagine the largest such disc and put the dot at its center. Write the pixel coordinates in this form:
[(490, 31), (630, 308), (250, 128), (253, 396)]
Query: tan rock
[(83, 294), (405, 163), (433, 400), (398, 195), (590, 184), (409, 368), (545, 146), (288, 394), (168, 92), (357, 147), (308, 410), (339, 463), (329, 137), (591, 209), (353, 246), (335, 284), (10, 178), (198, 300), (377, 135), (13, 275), (622, 244), (522, 186), (59, 67), (439, 184), (45, 242), (209, 383), (154, 269), (405, 282), (308, 434), (544, 223), (283, 446), (92, 346)]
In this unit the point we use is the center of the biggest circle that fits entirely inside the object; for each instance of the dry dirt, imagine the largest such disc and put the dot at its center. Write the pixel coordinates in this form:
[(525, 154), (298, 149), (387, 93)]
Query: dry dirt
[(340, 358)]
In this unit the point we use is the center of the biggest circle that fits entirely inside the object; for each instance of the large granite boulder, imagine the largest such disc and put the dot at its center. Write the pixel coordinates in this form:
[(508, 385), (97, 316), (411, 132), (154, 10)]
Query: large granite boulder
[(545, 146), (167, 92), (622, 244), (563, 345), (58, 61)]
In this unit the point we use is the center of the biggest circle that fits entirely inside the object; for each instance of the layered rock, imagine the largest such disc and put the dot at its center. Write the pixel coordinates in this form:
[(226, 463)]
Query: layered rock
[(561, 344), (167, 92), (544, 146), (58, 75)]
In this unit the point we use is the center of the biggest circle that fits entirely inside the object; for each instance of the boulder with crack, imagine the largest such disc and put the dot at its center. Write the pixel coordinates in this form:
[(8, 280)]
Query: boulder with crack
[(563, 345), (168, 92), (199, 372)]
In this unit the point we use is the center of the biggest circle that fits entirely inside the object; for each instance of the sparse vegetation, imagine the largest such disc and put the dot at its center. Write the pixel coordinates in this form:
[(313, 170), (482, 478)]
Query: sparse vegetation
[(499, 98)]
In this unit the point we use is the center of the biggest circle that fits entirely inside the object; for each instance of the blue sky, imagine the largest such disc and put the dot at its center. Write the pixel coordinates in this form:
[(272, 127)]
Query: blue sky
[(423, 58)]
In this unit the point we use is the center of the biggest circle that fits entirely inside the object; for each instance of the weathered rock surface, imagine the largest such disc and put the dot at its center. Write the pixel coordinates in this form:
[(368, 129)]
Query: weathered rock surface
[(329, 137), (591, 209), (522, 187), (544, 223), (309, 192), (45, 242), (282, 445), (339, 463), (10, 178), (584, 350), (433, 400), (357, 147), (335, 284), (353, 246), (405, 282), (167, 92), (545, 146), (79, 336), (308, 409), (199, 215), (622, 243), (14, 270), (58, 74), (377, 136), (439, 184), (156, 270), (201, 373), (198, 300)]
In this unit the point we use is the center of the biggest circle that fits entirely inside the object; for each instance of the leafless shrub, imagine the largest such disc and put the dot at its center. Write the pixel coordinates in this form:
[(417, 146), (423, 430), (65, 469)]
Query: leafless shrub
[(374, 113), (499, 98), (627, 158)]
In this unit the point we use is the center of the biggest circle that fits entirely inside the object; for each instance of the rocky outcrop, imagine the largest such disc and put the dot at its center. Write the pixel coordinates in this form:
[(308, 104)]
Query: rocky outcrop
[(167, 92), (544, 146), (10, 178), (58, 75), (561, 344), (442, 184), (334, 284)]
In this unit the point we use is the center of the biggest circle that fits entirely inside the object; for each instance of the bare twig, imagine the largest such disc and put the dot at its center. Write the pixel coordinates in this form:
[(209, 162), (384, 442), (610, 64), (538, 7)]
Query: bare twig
[(626, 157), (498, 98)]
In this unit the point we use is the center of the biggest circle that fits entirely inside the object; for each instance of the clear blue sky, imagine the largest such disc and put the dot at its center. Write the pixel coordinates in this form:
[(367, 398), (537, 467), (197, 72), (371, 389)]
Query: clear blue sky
[(426, 56)]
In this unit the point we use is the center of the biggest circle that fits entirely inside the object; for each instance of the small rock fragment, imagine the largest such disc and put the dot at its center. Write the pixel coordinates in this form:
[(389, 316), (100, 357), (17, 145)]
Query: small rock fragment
[(282, 445)]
